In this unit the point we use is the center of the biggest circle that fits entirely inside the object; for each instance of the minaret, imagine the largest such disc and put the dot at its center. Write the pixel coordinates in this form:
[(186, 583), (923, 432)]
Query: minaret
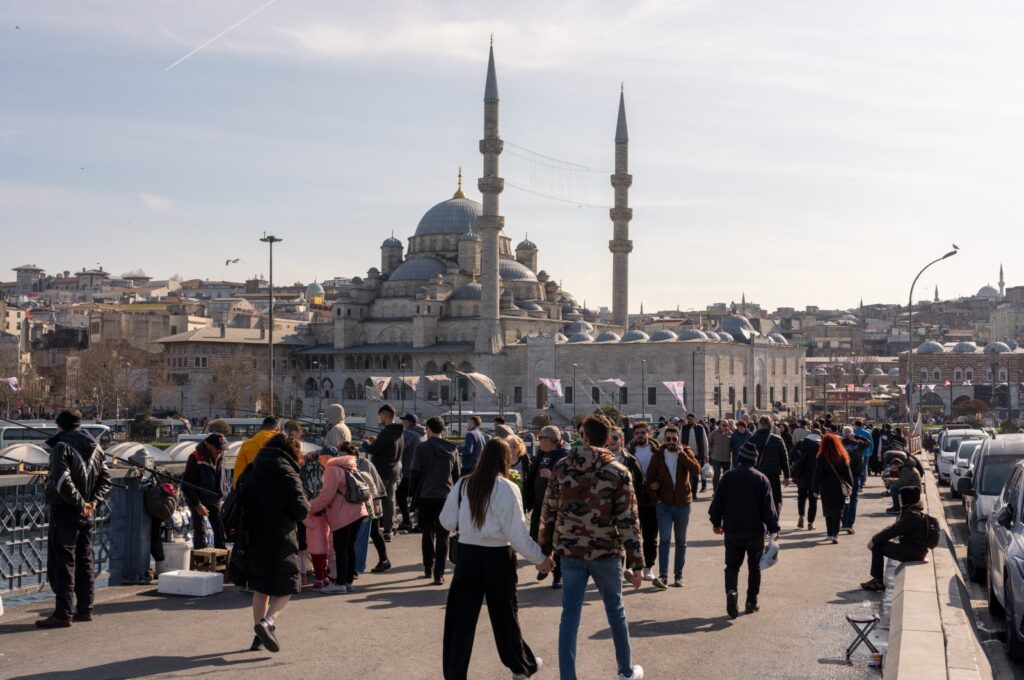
[(621, 214), (1002, 284), (936, 293), (489, 337)]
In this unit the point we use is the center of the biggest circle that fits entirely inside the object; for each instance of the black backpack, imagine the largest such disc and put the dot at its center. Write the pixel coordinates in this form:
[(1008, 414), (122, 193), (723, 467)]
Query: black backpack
[(933, 530), (232, 514), (357, 488)]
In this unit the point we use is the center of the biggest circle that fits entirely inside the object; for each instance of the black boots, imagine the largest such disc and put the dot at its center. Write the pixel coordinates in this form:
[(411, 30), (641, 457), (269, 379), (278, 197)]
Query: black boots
[(731, 605)]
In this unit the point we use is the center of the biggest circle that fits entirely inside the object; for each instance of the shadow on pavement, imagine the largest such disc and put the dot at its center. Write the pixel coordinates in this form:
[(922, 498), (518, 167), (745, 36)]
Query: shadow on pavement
[(650, 628), (148, 666), (856, 595), (835, 662)]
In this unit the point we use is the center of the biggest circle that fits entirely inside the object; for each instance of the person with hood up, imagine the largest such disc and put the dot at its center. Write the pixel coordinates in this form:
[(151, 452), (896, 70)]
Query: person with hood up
[(204, 477), (413, 435), (343, 517), (435, 469), (386, 454), (552, 449), (805, 464), (338, 432), (273, 502), (77, 483)]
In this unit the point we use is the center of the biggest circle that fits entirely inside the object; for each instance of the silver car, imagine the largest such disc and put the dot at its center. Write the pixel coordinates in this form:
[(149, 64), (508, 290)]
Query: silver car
[(982, 488), (962, 464), (1005, 539)]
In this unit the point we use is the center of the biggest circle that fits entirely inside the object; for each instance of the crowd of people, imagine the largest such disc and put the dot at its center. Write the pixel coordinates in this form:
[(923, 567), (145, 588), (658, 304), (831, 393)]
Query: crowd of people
[(606, 503)]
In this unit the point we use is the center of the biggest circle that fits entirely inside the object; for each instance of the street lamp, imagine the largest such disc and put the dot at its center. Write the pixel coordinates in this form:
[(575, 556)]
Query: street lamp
[(910, 330), (574, 395), (401, 367), (270, 240), (643, 389)]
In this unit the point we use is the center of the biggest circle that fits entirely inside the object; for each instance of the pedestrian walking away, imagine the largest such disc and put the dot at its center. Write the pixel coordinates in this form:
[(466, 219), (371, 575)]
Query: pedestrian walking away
[(472, 446), (435, 469), (487, 510), (412, 436), (833, 482), (344, 515), (693, 434), (858, 448), (590, 519), (772, 458), (77, 483), (252, 446), (720, 451), (805, 464), (670, 479), (338, 432), (742, 511)]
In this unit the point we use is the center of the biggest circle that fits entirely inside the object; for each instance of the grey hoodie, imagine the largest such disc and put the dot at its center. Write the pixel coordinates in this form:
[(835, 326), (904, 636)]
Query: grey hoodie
[(339, 432), (435, 469)]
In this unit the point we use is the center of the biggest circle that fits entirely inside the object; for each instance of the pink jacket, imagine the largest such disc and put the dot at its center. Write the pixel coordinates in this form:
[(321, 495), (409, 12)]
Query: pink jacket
[(340, 513)]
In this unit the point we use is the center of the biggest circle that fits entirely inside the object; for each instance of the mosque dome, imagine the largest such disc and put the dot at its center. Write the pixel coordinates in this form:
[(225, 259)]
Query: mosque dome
[(817, 370), (467, 291), (739, 328), (470, 236), (526, 244), (510, 270), (779, 338), (930, 347), (965, 348), (771, 340), (663, 335), (607, 336), (559, 338), (876, 371), (635, 336), (893, 372), (391, 242), (848, 317), (713, 336), (529, 306), (454, 216), (988, 292), (578, 327), (580, 337), (996, 348), (725, 337), (314, 290), (419, 269), (693, 334)]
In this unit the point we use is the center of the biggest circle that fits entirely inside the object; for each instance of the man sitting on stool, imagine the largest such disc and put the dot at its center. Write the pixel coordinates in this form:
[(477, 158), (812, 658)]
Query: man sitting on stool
[(912, 530)]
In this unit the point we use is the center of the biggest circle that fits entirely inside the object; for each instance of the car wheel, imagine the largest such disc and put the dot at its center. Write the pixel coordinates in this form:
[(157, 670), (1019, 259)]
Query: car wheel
[(1014, 645), (952, 491), (994, 608), (974, 571)]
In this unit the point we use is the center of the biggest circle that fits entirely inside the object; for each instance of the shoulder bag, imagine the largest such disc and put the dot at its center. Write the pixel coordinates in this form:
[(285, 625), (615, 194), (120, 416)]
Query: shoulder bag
[(846, 486)]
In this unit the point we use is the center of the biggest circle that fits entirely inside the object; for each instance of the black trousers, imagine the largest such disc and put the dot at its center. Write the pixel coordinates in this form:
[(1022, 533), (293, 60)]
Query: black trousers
[(199, 528), (805, 499), (402, 498), (556, 573), (736, 549), (387, 522), (649, 533), (345, 552), (894, 551), (832, 524), (377, 538), (434, 538), (69, 560), (491, 573), (776, 483)]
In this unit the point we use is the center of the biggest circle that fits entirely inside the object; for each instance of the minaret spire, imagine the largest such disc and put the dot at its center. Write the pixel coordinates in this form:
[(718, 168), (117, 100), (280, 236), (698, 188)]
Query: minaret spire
[(1002, 284), (621, 214), (489, 339), (936, 293), (459, 193)]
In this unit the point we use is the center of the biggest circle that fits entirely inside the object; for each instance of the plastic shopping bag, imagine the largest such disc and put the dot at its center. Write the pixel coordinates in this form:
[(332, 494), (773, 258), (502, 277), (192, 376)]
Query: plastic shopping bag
[(770, 556), (706, 471)]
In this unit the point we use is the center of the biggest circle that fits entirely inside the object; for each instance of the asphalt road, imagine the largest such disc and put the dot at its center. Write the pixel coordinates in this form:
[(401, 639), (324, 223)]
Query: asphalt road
[(391, 627)]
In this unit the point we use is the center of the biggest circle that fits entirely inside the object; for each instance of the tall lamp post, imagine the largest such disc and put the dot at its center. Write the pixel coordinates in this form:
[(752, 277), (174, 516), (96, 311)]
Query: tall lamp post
[(910, 331), (270, 240), (643, 389), (574, 395)]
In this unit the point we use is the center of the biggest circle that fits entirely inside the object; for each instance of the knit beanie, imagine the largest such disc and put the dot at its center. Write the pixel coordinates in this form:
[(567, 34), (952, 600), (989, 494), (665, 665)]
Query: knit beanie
[(748, 453)]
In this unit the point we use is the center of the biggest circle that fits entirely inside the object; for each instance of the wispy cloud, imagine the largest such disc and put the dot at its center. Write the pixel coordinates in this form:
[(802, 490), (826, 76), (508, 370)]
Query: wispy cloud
[(155, 202)]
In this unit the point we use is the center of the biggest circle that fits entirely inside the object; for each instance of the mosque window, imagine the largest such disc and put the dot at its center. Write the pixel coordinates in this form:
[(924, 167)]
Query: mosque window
[(568, 394), (796, 394), (652, 396), (595, 395), (1002, 375), (783, 394), (924, 375), (517, 394), (623, 395), (969, 374), (936, 375), (771, 394), (958, 375)]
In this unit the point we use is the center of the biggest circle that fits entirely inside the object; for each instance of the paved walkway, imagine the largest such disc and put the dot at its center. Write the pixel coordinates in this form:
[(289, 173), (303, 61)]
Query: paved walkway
[(391, 627)]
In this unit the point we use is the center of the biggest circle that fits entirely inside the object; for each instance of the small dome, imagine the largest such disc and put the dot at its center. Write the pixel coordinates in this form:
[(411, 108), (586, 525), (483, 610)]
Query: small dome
[(314, 289), (419, 269), (771, 340), (578, 327), (876, 371), (713, 336), (988, 292), (663, 335), (693, 334), (930, 347), (894, 372), (559, 338), (569, 308), (510, 270), (739, 328), (997, 348), (817, 370), (607, 336), (725, 337), (635, 336), (529, 306), (580, 337), (848, 317), (779, 338), (965, 348), (526, 244), (467, 291), (391, 242), (454, 216)]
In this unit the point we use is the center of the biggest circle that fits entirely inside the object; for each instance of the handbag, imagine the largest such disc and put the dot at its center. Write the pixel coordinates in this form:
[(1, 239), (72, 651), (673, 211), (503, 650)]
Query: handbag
[(846, 486), (453, 538)]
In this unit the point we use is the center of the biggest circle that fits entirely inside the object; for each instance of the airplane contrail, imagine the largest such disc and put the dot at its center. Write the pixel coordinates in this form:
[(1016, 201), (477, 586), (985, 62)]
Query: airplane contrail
[(220, 35)]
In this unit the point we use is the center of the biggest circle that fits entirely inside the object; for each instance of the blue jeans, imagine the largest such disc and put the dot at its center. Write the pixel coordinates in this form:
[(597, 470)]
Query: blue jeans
[(850, 511), (362, 545), (894, 492), (607, 575), (672, 519)]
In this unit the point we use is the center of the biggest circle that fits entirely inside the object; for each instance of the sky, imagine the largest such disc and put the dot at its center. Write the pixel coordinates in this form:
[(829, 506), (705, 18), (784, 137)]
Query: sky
[(803, 153)]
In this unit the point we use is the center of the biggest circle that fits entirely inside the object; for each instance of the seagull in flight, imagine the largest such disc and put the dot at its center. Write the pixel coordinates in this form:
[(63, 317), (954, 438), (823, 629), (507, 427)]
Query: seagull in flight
[(234, 261)]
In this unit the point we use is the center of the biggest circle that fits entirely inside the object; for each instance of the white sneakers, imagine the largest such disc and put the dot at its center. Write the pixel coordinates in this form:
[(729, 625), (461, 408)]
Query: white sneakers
[(638, 673), (333, 589), (520, 676), (648, 576)]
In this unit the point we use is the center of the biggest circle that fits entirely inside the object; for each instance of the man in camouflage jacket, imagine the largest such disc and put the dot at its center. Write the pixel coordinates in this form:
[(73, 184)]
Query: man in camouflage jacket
[(589, 518)]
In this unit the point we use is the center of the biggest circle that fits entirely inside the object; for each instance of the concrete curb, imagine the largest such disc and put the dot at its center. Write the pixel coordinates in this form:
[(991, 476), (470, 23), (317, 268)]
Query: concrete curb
[(930, 635)]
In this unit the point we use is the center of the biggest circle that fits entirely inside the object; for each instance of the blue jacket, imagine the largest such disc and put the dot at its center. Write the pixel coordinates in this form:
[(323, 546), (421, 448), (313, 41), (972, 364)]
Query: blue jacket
[(861, 432), (471, 448), (737, 441)]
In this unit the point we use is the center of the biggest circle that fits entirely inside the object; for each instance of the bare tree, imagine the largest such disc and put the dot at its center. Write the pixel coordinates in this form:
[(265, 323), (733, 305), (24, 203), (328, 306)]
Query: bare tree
[(230, 382)]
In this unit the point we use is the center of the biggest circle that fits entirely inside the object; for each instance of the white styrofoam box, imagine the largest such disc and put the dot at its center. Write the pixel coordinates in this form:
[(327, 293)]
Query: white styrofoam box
[(1, 606), (194, 583)]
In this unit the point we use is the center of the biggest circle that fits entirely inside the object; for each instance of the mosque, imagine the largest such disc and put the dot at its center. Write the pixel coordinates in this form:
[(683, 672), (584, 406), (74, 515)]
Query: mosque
[(460, 299)]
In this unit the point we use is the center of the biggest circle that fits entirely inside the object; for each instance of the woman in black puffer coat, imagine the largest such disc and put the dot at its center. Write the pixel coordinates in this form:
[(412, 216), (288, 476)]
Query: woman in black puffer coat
[(832, 473), (273, 502)]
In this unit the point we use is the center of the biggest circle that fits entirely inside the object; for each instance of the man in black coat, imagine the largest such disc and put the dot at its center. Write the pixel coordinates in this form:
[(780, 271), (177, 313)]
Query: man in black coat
[(772, 458), (385, 451), (742, 510), (911, 529), (204, 479), (694, 435), (77, 483)]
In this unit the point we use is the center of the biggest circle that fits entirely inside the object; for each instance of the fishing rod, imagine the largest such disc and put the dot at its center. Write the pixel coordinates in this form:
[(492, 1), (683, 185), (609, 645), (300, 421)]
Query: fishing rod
[(305, 421)]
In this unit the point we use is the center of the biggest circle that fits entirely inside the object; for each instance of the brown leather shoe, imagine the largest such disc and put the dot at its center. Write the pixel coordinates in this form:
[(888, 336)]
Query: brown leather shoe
[(53, 622), (82, 617)]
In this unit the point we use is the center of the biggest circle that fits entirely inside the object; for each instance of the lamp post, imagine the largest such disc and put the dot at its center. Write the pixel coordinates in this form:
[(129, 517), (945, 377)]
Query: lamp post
[(270, 240), (643, 389), (127, 370), (574, 395), (401, 367), (910, 330)]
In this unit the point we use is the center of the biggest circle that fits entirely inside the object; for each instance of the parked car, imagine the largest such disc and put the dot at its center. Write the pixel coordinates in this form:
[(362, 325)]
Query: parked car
[(961, 463), (948, 447), (982, 487), (1005, 540)]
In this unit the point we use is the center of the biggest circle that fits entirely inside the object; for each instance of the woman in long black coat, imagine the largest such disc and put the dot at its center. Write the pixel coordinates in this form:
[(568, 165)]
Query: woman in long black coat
[(832, 473), (273, 502)]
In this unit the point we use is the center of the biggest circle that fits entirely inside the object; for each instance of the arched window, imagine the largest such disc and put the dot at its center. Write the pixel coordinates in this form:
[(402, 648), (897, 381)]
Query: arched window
[(936, 375), (349, 390), (1002, 375), (969, 374), (958, 374), (310, 388), (924, 375)]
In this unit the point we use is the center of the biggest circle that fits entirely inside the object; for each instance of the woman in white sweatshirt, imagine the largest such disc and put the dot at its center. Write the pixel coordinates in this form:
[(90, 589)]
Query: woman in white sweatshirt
[(487, 510)]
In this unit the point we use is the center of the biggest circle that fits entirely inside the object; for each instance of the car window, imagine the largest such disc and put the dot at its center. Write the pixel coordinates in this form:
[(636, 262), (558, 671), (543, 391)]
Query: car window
[(993, 475), (1012, 489)]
